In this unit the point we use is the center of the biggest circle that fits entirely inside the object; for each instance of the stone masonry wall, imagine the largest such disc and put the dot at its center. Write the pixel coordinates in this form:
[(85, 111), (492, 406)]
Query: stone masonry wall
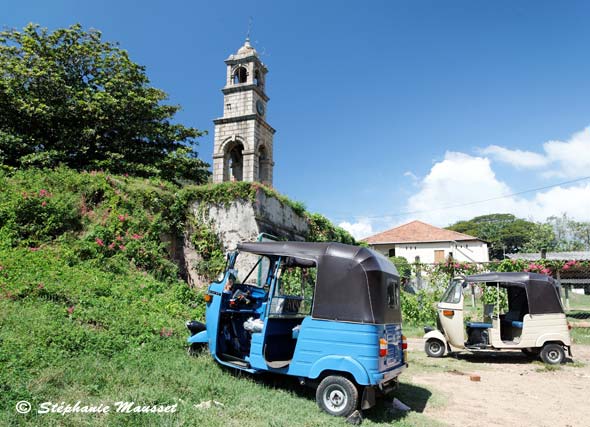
[(242, 221)]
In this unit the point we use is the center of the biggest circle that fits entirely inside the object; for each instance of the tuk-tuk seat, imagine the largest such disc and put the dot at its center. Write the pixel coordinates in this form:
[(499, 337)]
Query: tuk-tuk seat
[(479, 325), (516, 324)]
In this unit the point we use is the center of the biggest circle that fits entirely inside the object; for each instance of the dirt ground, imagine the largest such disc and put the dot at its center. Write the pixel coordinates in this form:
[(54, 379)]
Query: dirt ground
[(513, 391)]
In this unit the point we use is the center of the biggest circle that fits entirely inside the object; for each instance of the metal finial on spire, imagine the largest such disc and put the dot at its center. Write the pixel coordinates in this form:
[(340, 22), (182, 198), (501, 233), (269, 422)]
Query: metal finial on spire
[(249, 29)]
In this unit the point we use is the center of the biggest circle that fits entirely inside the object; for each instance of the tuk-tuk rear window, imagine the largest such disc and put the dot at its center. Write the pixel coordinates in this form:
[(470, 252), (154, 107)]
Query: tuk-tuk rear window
[(393, 293)]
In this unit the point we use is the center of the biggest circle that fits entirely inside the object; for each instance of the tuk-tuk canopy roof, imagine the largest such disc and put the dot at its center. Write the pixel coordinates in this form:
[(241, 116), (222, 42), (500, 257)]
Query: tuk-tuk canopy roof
[(541, 290), (352, 281)]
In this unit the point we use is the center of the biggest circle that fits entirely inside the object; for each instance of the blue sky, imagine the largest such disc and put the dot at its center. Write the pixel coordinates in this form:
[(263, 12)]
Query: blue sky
[(382, 107)]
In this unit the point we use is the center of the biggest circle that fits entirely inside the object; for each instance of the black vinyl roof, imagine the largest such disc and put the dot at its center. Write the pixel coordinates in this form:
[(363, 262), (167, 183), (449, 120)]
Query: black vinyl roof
[(305, 250), (541, 290), (352, 281)]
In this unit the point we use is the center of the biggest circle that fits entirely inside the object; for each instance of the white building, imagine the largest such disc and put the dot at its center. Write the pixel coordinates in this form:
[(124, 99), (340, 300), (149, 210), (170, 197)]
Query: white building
[(431, 244)]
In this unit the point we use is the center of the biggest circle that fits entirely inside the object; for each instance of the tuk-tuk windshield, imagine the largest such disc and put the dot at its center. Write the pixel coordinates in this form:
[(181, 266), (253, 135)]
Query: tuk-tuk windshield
[(254, 269), (453, 293)]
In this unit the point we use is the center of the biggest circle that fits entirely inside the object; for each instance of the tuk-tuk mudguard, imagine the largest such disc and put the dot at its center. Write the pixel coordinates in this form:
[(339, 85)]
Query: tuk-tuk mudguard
[(436, 334), (201, 337), (343, 364), (551, 338)]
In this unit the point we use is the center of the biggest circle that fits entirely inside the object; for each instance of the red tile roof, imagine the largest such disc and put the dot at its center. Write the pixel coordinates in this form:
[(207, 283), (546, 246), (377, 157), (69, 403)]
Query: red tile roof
[(415, 232)]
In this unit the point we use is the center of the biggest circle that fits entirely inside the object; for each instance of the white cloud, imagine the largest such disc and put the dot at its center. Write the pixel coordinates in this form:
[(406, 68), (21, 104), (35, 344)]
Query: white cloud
[(516, 158), (461, 179), (572, 157), (359, 229), (569, 159)]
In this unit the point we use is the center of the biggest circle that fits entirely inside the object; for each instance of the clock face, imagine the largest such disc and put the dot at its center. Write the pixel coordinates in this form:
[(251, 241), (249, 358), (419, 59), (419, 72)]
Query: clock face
[(260, 107)]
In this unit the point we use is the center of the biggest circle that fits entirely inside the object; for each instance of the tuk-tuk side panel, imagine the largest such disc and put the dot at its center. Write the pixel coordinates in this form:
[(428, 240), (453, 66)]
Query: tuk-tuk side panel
[(536, 330), (541, 328), (494, 333), (336, 344)]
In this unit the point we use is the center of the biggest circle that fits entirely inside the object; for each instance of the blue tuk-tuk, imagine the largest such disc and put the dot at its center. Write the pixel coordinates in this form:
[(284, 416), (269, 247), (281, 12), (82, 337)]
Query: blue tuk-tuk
[(326, 313)]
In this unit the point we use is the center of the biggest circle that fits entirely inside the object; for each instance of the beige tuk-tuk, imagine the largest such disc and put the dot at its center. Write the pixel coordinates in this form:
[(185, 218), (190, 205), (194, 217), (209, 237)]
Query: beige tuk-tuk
[(534, 323)]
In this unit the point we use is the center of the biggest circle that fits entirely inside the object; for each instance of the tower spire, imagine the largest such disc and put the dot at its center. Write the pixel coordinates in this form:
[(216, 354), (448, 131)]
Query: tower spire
[(249, 29)]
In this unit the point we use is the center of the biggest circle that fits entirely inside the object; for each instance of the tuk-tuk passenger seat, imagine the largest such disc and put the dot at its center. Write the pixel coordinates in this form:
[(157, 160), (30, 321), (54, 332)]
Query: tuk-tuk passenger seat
[(479, 325)]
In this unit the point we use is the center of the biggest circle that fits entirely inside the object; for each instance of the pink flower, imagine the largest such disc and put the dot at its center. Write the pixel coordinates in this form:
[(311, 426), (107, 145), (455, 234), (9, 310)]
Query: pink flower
[(99, 242), (44, 203), (122, 217), (136, 237), (165, 332), (122, 247), (43, 193), (119, 238), (566, 267), (41, 286), (70, 309), (126, 175), (1, 267), (112, 245), (34, 249)]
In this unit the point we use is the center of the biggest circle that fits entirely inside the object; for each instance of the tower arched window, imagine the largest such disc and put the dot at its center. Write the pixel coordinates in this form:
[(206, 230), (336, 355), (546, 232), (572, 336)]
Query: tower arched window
[(240, 75), (234, 162), (257, 78)]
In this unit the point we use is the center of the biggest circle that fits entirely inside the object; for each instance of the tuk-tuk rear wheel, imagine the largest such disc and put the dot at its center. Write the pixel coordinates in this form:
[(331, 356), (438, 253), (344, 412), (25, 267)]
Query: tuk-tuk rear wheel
[(337, 395), (434, 348), (553, 354)]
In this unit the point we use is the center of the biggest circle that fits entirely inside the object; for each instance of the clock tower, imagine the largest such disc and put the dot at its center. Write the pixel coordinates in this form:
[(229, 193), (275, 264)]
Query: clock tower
[(243, 139)]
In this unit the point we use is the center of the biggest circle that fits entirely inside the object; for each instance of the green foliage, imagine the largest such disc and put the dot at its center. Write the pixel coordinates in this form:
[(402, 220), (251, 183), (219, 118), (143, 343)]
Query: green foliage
[(210, 248), (68, 97), (31, 213), (570, 235), (497, 297), (420, 309), (321, 229), (225, 193), (106, 219), (402, 265), (53, 311), (506, 234)]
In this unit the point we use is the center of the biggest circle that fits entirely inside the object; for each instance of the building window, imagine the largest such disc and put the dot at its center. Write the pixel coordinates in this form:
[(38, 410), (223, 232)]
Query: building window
[(392, 252)]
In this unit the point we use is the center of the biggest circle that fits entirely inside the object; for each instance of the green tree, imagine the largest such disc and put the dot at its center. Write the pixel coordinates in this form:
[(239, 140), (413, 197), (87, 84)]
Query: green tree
[(402, 265), (68, 97), (506, 233), (570, 235)]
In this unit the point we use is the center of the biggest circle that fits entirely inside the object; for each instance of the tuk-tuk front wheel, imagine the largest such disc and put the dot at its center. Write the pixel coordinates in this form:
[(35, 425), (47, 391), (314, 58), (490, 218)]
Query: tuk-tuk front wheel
[(195, 348), (553, 354), (434, 348), (338, 396)]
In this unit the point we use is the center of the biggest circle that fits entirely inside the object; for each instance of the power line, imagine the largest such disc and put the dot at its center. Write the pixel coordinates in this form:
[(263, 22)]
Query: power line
[(398, 214)]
